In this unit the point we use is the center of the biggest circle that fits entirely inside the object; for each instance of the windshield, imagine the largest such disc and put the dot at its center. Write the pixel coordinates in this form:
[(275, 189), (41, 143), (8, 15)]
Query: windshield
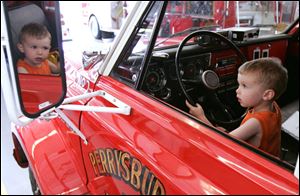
[(180, 19), (270, 17)]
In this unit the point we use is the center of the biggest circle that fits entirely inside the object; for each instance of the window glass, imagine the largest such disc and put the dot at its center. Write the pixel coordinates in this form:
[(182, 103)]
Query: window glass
[(270, 17), (129, 68)]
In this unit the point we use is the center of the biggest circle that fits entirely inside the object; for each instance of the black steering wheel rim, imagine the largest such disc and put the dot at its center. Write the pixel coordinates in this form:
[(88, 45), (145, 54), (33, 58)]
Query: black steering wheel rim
[(226, 124)]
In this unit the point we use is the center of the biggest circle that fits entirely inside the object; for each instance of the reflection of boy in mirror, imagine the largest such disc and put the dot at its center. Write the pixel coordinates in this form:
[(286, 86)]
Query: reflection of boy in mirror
[(35, 43)]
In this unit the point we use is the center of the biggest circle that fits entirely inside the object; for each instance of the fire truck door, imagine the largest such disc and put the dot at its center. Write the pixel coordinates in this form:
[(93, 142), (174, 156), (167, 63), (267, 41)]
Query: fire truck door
[(123, 151)]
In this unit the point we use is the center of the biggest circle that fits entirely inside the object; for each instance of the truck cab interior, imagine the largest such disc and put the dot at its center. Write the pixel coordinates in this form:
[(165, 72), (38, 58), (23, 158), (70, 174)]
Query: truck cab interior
[(202, 67)]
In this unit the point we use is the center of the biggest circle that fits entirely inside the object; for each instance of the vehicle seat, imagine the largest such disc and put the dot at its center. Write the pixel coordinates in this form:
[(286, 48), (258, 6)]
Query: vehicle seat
[(21, 15)]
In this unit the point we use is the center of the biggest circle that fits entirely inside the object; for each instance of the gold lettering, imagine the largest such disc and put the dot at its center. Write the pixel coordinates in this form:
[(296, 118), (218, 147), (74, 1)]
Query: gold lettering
[(103, 160), (93, 161), (125, 174), (120, 164), (158, 188), (97, 156), (136, 170), (145, 183), (118, 160), (110, 160)]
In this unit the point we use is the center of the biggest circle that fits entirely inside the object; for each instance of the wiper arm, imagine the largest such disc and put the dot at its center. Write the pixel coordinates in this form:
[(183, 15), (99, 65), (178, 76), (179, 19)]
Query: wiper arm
[(191, 29)]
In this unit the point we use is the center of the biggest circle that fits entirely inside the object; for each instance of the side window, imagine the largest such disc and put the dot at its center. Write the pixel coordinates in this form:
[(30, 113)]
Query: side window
[(128, 69)]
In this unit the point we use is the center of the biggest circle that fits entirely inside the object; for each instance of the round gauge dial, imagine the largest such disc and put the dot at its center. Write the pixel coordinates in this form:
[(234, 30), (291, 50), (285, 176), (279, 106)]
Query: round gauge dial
[(155, 79)]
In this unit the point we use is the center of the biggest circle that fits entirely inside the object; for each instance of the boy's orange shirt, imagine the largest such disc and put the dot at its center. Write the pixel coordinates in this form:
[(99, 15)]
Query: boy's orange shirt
[(43, 69), (271, 127)]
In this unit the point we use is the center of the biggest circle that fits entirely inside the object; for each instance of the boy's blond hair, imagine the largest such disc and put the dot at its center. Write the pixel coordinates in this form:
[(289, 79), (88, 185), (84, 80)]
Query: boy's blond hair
[(270, 72), (34, 30)]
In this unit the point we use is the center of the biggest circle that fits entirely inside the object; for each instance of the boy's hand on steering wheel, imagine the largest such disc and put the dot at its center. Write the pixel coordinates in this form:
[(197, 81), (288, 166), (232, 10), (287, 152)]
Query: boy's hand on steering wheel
[(195, 111)]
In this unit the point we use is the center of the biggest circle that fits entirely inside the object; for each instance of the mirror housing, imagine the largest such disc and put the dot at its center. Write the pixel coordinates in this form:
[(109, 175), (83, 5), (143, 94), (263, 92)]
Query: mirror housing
[(30, 94)]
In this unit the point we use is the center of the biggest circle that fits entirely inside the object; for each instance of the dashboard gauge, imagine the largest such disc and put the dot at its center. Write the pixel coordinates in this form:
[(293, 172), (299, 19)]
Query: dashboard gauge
[(165, 94), (155, 79)]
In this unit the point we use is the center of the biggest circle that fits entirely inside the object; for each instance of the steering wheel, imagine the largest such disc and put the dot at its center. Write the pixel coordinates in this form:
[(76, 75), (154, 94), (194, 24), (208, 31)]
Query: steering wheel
[(216, 112)]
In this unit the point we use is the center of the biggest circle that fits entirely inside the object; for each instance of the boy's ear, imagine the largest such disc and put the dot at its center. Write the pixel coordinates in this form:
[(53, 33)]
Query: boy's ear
[(20, 47), (268, 94)]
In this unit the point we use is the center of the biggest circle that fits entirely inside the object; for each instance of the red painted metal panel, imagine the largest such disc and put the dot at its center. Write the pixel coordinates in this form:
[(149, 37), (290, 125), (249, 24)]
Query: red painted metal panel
[(186, 157), (53, 152)]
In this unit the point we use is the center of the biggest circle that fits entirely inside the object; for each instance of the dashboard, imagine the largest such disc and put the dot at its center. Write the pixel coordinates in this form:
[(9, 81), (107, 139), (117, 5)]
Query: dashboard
[(161, 80)]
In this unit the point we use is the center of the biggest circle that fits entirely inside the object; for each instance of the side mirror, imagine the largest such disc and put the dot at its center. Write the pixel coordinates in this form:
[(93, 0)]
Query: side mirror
[(31, 92)]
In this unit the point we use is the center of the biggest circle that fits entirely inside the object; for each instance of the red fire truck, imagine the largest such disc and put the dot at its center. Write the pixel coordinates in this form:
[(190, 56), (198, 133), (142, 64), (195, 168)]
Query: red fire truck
[(115, 122), (185, 14)]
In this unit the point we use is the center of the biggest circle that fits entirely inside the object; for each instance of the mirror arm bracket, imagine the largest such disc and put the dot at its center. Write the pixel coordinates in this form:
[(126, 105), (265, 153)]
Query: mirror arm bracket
[(55, 112), (121, 108), (71, 125)]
